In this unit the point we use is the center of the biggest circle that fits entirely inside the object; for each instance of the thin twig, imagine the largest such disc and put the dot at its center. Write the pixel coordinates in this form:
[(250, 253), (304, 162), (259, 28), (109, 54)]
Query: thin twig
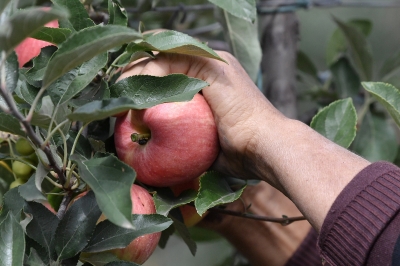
[(283, 221)]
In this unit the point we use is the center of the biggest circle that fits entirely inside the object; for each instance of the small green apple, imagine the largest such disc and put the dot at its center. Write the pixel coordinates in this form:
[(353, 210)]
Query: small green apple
[(23, 147), (21, 170), (17, 182)]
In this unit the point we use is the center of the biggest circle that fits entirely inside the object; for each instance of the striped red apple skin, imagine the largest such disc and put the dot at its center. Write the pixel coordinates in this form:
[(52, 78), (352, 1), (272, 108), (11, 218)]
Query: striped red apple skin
[(183, 141), (141, 248)]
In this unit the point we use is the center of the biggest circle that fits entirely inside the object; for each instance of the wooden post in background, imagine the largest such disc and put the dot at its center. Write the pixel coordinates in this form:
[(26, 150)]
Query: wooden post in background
[(279, 34)]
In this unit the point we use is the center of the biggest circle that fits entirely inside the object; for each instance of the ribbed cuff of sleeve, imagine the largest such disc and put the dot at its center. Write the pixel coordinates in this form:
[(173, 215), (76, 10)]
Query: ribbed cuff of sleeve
[(307, 253), (359, 215)]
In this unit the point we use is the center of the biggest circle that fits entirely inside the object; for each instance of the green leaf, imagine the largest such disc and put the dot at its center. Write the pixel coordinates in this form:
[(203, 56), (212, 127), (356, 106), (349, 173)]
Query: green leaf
[(6, 177), (145, 90), (214, 190), (376, 139), (12, 242), (40, 173), (93, 92), (41, 252), (23, 24), (132, 53), (387, 95), (118, 14), (140, 92), (109, 236), (185, 234), (242, 37), (360, 49), (3, 5), (111, 181), (34, 259), (390, 67), (13, 202), (73, 82), (83, 46), (346, 79), (43, 225), (98, 259), (337, 122), (11, 74), (79, 17), (10, 124), (165, 235), (75, 229), (337, 44), (30, 192), (82, 145), (178, 43), (27, 92), (305, 65), (243, 9), (40, 63), (164, 200), (52, 35), (43, 116), (201, 234)]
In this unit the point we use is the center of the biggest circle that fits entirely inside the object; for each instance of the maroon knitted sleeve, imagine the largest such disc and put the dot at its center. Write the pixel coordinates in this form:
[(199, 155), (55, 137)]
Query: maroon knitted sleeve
[(363, 224), (307, 253)]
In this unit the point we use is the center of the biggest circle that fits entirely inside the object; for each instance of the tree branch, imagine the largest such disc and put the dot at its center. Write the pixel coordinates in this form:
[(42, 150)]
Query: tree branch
[(283, 221), (26, 126), (64, 204)]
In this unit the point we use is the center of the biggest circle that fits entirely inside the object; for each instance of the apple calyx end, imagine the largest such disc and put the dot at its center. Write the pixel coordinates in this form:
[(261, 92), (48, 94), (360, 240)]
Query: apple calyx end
[(141, 139)]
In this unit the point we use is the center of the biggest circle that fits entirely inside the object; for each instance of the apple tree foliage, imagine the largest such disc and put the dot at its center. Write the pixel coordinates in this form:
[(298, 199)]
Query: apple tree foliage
[(358, 102), (63, 102)]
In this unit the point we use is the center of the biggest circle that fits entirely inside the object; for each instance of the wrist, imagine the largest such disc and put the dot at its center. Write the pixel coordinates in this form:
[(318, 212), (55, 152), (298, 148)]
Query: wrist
[(310, 169)]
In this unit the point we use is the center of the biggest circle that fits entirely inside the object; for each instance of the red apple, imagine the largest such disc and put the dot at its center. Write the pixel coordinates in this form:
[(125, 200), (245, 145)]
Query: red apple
[(175, 142), (140, 249), (189, 213), (30, 47)]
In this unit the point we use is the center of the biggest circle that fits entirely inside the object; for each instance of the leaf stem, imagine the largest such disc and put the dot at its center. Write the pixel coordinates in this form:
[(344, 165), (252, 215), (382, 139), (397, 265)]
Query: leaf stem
[(35, 103), (364, 108), (76, 142), (47, 140), (53, 117), (53, 182)]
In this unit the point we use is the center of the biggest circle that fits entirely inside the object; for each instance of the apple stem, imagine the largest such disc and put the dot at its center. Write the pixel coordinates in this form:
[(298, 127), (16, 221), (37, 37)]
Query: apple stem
[(142, 139)]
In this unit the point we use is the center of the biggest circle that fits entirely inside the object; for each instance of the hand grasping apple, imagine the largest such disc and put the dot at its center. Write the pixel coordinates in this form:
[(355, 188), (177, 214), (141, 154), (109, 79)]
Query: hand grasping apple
[(232, 97)]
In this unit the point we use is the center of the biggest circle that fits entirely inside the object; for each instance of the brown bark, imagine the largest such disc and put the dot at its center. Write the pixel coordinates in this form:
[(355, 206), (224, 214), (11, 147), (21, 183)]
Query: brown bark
[(279, 36)]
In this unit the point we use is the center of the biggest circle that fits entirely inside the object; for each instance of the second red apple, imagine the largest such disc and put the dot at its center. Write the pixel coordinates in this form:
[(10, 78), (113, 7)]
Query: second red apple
[(30, 47)]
